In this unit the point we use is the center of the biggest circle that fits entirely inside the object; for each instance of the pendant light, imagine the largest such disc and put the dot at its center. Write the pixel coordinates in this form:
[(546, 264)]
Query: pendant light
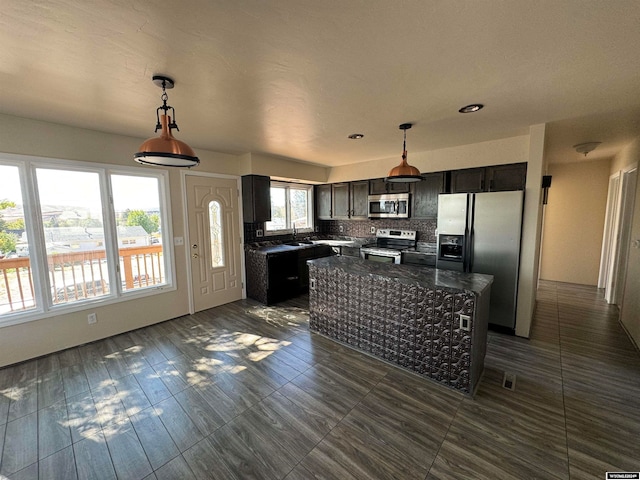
[(165, 150), (404, 172)]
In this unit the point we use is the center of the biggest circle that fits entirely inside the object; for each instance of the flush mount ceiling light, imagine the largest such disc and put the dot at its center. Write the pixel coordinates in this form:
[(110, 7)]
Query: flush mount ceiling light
[(474, 107), (165, 150), (356, 136), (404, 172), (586, 147)]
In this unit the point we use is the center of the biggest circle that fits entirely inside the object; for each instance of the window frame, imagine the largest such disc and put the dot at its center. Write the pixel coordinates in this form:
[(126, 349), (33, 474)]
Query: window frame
[(289, 228), (45, 306)]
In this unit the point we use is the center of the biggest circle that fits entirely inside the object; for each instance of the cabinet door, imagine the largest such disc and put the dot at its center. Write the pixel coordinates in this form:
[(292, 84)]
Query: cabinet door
[(398, 187), (340, 200), (323, 201), (377, 186), (283, 276), (425, 195), (507, 177), (470, 180), (359, 199), (256, 198)]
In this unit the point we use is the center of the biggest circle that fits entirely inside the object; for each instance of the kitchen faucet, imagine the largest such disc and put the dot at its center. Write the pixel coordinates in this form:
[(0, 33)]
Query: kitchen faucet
[(294, 234)]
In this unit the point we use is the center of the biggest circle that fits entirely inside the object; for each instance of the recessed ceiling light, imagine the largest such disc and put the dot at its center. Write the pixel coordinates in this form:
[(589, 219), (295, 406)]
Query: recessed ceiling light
[(474, 107), (356, 136)]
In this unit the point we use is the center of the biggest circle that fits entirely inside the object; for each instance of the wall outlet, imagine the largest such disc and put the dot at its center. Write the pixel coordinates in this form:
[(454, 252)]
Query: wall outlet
[(312, 283), (372, 230), (317, 229), (259, 233), (465, 323), (341, 228), (92, 318)]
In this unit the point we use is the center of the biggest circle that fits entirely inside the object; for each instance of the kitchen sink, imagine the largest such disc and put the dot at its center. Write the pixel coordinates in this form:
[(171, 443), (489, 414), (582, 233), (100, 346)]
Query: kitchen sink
[(301, 242)]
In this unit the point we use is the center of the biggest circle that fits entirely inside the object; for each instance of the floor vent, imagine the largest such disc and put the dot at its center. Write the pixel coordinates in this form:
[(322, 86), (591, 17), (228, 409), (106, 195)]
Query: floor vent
[(509, 381)]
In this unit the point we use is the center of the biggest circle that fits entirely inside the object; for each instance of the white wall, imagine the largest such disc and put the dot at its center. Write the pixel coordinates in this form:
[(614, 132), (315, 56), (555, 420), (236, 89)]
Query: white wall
[(531, 231), (574, 222), (630, 306)]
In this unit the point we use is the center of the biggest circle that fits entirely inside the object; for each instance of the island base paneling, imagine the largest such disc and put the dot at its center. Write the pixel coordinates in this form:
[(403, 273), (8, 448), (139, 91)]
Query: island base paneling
[(412, 324)]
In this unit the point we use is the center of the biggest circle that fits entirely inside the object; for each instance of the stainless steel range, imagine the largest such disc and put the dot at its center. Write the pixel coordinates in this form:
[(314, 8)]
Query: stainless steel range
[(389, 245)]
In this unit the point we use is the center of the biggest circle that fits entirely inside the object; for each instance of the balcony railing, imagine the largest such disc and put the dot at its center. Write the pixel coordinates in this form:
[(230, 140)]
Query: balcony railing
[(78, 275)]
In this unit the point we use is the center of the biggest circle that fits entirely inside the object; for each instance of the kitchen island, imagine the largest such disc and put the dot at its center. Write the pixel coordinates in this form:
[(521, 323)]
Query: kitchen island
[(429, 321)]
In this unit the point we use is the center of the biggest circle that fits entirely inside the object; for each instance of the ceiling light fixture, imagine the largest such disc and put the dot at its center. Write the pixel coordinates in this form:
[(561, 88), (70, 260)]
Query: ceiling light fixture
[(474, 107), (586, 147), (404, 172), (356, 136), (165, 150)]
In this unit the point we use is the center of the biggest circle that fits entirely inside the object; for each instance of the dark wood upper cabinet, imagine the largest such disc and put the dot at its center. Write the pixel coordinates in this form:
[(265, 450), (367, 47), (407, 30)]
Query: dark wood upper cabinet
[(359, 199), (469, 180), (398, 187), (425, 195), (502, 178), (349, 200), (340, 193), (378, 187), (342, 201), (323, 201), (256, 198)]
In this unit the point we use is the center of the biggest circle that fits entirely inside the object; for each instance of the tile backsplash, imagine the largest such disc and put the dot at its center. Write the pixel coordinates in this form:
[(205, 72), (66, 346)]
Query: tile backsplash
[(362, 228), (426, 228)]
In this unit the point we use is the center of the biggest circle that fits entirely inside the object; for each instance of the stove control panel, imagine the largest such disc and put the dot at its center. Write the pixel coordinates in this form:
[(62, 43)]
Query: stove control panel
[(400, 234)]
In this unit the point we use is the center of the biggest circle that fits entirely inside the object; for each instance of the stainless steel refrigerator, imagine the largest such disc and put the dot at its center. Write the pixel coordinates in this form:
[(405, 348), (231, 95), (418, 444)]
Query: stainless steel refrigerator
[(480, 233)]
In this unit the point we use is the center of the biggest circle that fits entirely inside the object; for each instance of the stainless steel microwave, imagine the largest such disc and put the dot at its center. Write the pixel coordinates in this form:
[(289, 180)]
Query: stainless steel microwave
[(389, 205)]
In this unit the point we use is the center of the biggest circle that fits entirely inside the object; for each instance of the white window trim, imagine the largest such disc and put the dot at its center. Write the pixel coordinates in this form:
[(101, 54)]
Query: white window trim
[(45, 308), (288, 231)]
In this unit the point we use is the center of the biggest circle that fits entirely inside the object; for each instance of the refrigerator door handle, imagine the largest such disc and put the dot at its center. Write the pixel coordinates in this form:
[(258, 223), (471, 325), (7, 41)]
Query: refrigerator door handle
[(470, 252)]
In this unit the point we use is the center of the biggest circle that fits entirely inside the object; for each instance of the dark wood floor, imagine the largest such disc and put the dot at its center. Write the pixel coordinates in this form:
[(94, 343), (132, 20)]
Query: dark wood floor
[(245, 391)]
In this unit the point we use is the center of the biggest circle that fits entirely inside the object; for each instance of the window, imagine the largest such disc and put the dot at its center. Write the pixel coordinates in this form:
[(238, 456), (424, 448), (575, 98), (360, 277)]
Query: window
[(215, 234), (73, 233), (291, 208)]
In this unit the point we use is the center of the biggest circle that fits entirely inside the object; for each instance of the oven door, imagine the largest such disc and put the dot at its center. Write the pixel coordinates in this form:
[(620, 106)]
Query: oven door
[(381, 257)]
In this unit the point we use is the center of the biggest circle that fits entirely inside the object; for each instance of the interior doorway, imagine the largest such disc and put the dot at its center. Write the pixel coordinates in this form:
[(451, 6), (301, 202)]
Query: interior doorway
[(214, 242), (615, 244)]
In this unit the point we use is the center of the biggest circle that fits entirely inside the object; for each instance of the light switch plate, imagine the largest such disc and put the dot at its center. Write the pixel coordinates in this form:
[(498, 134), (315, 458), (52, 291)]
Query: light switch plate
[(259, 233)]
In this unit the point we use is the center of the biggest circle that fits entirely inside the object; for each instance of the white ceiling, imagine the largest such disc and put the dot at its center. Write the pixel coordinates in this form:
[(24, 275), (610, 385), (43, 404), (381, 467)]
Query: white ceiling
[(293, 78)]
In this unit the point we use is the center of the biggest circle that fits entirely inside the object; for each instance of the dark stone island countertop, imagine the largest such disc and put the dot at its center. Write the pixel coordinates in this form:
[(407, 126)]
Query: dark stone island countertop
[(425, 276)]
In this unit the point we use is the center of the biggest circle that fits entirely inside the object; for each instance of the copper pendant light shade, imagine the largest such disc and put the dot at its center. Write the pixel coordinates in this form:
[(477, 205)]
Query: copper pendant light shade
[(165, 150), (404, 172)]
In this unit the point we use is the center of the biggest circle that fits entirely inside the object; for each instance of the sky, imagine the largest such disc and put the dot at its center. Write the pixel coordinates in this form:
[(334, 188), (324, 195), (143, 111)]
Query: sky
[(81, 189)]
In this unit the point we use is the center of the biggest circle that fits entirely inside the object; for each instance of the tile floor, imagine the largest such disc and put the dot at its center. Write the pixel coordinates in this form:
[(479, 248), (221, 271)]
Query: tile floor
[(244, 391)]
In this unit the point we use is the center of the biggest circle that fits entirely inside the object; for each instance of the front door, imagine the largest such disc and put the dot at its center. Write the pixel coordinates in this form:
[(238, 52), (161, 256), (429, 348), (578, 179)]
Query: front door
[(214, 240)]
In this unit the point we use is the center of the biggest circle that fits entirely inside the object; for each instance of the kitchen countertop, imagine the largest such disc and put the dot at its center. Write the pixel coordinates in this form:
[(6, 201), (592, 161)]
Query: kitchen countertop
[(267, 247), (283, 247), (425, 276)]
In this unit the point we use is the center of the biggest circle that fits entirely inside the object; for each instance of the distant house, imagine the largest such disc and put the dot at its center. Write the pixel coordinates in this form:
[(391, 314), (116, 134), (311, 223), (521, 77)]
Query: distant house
[(79, 239)]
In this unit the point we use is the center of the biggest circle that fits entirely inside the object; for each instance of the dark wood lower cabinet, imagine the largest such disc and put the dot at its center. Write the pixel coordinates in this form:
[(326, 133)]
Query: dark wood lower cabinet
[(277, 276)]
